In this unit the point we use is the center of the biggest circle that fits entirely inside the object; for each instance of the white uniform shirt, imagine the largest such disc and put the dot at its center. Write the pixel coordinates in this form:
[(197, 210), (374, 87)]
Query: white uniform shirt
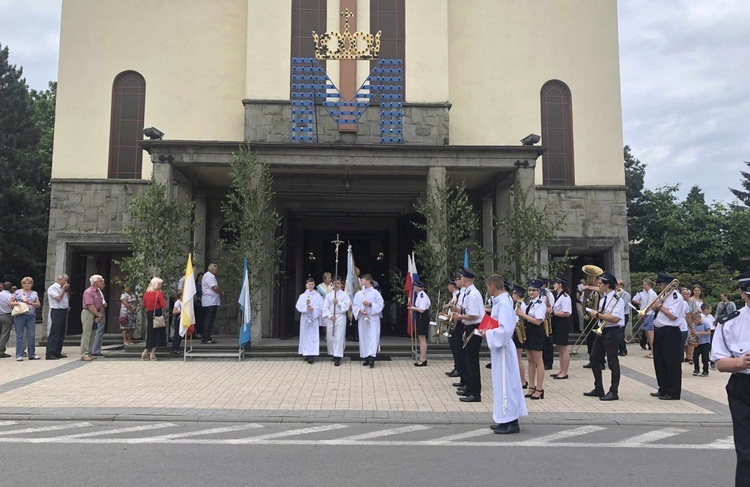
[(209, 297), (645, 298), (673, 304), (422, 302), (473, 305), (537, 309), (732, 339), (562, 304), (53, 292), (681, 317), (5, 296), (605, 304)]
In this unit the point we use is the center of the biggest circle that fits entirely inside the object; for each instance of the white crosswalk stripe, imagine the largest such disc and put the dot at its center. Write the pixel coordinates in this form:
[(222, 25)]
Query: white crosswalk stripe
[(7, 423), (211, 431), (117, 431), (388, 432), (651, 436), (722, 442), (45, 428), (561, 435)]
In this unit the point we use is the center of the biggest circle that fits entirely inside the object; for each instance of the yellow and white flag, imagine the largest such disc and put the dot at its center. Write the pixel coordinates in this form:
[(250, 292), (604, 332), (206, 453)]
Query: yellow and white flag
[(187, 318)]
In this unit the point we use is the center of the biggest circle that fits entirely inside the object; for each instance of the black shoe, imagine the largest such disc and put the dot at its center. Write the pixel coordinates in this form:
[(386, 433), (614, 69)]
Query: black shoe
[(372, 362), (654, 394), (594, 393), (622, 354), (643, 346), (459, 384), (540, 396), (471, 399), (665, 397), (366, 362), (52, 357), (451, 372), (488, 366), (525, 385), (62, 355), (420, 364), (463, 392), (508, 428), (212, 341), (610, 396), (547, 367), (454, 374), (336, 361), (310, 360), (588, 366), (461, 389), (560, 377), (4, 355)]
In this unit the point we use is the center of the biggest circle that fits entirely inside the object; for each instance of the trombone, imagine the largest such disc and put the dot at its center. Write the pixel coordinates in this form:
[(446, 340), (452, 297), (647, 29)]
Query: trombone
[(642, 312)]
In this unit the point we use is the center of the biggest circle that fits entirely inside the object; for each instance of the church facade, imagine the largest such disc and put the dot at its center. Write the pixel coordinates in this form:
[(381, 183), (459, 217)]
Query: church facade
[(352, 143)]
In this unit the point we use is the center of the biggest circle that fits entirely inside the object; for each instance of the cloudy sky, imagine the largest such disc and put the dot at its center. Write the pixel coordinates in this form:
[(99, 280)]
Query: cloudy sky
[(685, 82)]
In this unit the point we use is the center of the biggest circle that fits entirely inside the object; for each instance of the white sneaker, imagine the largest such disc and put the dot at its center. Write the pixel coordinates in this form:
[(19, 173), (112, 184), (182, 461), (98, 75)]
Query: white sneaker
[(19, 359)]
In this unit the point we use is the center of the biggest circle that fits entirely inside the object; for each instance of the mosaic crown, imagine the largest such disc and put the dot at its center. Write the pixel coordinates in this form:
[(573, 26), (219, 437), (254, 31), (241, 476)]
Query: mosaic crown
[(359, 45)]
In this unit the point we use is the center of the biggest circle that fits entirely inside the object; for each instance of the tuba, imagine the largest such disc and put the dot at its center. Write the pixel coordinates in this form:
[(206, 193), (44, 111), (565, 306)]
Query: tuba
[(590, 300)]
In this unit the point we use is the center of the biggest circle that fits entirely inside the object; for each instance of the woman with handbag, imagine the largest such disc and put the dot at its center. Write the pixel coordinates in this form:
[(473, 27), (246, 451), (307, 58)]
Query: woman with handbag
[(24, 303), (154, 302), (128, 306)]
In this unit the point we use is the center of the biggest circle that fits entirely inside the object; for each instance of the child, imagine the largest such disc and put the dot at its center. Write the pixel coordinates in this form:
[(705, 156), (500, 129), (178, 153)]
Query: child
[(709, 318), (176, 313), (703, 331)]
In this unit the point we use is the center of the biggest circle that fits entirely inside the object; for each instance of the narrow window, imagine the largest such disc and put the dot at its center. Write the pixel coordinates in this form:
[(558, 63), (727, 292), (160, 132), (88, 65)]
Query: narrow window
[(557, 134), (126, 126), (307, 16)]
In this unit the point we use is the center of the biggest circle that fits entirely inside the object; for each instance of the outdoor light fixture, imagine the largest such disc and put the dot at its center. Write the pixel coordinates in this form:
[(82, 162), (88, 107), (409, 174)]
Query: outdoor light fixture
[(310, 256), (531, 139), (153, 133)]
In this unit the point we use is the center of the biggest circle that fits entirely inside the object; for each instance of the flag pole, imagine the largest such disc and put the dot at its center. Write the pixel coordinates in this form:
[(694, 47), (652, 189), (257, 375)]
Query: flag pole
[(336, 242)]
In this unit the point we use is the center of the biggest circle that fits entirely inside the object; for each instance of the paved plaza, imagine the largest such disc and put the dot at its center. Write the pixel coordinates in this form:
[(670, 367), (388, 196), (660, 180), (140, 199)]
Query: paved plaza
[(292, 390)]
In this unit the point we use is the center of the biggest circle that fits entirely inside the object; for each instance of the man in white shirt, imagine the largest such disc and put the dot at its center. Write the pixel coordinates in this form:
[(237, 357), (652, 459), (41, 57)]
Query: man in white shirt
[(101, 326), (643, 299), (210, 300), (668, 314), (471, 315), (623, 348), (6, 320), (58, 299), (611, 316)]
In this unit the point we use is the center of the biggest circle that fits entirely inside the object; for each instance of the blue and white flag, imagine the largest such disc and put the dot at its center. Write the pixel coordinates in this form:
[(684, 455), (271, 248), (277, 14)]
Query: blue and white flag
[(352, 284), (466, 257), (246, 309)]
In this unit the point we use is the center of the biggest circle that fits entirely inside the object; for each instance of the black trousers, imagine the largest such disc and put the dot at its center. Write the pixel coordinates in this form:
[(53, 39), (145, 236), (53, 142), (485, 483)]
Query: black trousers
[(460, 352), (453, 342), (738, 392), (473, 378), (58, 318), (590, 347), (209, 316), (548, 353), (701, 353), (668, 360), (607, 344)]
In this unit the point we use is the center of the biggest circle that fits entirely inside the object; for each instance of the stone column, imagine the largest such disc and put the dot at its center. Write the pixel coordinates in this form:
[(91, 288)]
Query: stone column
[(487, 233), (199, 235), (164, 174), (523, 182)]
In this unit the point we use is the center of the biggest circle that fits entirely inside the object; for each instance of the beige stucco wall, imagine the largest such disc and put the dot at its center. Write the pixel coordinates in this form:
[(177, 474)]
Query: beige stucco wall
[(427, 51), (269, 38), (502, 52), (191, 53)]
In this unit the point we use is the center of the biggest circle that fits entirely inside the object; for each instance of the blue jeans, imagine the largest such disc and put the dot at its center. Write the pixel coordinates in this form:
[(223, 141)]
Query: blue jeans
[(27, 324)]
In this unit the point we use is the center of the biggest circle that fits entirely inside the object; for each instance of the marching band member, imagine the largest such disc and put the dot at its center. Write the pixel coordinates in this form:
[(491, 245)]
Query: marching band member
[(310, 305), (336, 303), (509, 403), (561, 311), (518, 295), (667, 338), (533, 314), (731, 352), (548, 353), (454, 291), (643, 299), (611, 316), (421, 310), (458, 332), (368, 303), (471, 316)]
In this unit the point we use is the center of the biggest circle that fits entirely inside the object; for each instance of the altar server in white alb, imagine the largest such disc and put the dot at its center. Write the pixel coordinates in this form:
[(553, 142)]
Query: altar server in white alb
[(367, 306), (509, 403), (335, 306), (310, 306)]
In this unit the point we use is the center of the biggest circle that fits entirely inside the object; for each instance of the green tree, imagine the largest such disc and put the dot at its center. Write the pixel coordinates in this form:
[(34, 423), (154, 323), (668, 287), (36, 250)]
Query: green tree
[(155, 232), (254, 226), (743, 196), (635, 171), (26, 127)]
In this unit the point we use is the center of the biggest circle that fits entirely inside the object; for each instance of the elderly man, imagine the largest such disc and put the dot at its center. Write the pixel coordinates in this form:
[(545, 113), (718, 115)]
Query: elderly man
[(6, 320), (91, 314), (211, 299), (58, 299)]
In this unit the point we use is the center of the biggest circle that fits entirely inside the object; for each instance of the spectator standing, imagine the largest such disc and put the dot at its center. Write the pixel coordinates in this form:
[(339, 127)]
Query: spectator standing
[(101, 327), (128, 317), (58, 297), (176, 314), (6, 320), (211, 299), (25, 323), (91, 314), (154, 302), (725, 307), (622, 349)]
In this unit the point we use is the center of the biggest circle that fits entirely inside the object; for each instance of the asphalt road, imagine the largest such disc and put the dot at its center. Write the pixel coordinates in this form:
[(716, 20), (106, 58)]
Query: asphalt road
[(290, 455)]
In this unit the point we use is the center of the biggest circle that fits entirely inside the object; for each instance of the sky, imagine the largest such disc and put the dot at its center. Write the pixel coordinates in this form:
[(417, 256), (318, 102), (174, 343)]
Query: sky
[(685, 80)]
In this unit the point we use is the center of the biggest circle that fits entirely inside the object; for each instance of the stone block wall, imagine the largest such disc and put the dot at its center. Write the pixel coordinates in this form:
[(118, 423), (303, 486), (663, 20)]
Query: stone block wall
[(270, 121)]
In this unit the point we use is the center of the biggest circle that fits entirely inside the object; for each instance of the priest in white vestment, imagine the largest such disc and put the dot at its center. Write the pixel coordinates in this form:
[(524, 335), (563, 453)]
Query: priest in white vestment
[(367, 306), (335, 306), (310, 306), (509, 402)]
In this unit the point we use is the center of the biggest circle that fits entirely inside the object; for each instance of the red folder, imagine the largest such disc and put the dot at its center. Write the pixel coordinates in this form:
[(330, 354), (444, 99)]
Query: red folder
[(488, 323)]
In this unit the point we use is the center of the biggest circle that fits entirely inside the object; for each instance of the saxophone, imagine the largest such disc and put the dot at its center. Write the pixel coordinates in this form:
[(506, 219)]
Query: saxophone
[(521, 325)]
